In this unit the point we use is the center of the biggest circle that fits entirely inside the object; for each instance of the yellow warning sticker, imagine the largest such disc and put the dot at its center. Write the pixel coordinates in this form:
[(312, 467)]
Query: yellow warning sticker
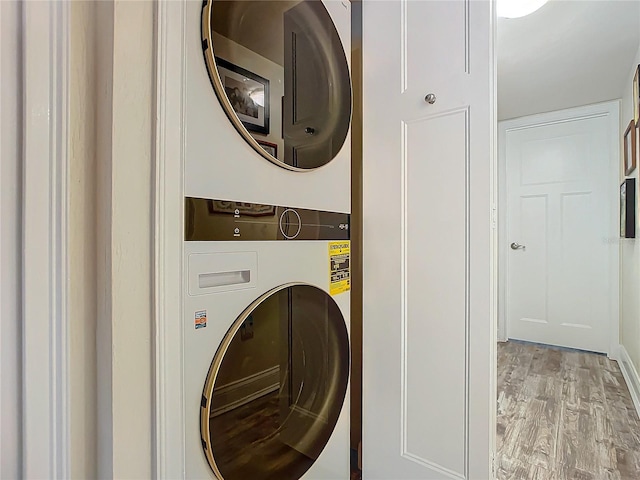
[(339, 264)]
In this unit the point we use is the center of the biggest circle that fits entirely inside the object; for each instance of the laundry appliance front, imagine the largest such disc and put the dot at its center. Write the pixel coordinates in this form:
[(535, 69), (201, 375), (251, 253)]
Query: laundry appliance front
[(268, 102), (265, 341)]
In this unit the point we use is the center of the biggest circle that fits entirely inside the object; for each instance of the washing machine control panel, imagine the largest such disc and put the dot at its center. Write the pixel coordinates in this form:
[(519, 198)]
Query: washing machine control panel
[(224, 220)]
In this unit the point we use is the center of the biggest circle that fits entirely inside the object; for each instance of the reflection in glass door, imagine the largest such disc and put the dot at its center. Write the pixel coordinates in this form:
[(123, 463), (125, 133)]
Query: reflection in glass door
[(282, 77), (276, 386)]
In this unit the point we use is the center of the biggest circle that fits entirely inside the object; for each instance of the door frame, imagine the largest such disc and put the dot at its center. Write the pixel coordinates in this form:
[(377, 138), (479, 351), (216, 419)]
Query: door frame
[(168, 211), (46, 451), (10, 242), (606, 109)]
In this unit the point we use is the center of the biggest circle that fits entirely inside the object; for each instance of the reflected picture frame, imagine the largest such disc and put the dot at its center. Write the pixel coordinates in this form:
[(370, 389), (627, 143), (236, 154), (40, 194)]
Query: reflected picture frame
[(240, 208), (245, 90), (270, 148), (629, 148)]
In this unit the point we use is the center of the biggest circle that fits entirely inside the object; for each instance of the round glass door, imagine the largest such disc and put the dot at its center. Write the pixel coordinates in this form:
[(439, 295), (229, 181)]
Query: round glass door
[(282, 77), (276, 386)]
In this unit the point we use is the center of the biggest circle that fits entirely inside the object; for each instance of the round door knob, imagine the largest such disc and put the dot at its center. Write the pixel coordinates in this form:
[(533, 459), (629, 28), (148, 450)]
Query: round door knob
[(430, 98), (309, 130)]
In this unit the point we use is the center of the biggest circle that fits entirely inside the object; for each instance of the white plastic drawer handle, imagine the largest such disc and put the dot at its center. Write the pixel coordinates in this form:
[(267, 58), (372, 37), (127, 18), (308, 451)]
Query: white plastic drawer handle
[(221, 279)]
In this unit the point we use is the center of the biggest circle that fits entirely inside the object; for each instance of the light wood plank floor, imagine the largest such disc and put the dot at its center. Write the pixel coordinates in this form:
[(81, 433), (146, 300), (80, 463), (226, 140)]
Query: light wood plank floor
[(564, 415)]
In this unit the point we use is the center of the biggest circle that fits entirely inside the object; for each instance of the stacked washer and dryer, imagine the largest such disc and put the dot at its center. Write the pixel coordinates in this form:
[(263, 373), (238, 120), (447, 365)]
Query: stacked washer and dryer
[(266, 239)]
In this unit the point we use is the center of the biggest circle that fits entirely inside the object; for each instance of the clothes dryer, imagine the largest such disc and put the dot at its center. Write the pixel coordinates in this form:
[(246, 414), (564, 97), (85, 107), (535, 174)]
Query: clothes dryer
[(266, 341), (267, 96)]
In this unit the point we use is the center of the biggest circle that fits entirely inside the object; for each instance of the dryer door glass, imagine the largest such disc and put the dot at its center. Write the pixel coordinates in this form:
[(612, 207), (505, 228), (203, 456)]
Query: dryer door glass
[(276, 386), (282, 77)]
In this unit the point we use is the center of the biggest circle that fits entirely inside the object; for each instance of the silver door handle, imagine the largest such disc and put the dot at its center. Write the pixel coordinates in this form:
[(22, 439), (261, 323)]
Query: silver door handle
[(430, 98), (517, 246)]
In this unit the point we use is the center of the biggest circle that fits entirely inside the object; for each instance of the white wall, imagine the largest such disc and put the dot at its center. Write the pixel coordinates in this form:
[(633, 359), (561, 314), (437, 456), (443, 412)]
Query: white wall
[(110, 122), (10, 238), (630, 248), (124, 245)]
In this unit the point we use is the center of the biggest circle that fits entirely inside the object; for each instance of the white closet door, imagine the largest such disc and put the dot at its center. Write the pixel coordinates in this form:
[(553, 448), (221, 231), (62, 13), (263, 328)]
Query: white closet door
[(428, 331)]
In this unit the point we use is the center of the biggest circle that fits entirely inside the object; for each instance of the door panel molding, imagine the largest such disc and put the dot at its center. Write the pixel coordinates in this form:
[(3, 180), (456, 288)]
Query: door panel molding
[(416, 272)]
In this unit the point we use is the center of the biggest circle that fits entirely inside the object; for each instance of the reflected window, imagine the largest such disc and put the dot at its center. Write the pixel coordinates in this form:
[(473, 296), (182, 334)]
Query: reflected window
[(276, 386)]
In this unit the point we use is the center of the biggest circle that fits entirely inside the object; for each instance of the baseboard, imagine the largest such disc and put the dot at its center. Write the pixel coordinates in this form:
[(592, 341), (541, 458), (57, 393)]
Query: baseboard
[(308, 413), (240, 392), (631, 376)]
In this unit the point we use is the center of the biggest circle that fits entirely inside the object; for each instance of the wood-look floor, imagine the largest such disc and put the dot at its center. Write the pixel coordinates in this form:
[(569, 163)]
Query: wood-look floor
[(246, 443), (564, 415)]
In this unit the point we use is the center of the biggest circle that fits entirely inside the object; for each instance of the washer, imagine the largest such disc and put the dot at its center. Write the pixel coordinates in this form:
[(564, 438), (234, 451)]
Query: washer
[(266, 341), (222, 158)]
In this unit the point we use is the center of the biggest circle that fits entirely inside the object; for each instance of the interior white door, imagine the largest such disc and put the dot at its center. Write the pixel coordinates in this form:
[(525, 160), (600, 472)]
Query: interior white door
[(427, 342), (558, 218)]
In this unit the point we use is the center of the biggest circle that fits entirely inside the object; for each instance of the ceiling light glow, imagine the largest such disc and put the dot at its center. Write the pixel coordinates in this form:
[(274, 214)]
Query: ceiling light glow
[(518, 8)]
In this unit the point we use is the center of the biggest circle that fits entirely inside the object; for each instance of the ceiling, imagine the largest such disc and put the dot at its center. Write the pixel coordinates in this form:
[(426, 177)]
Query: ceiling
[(568, 53)]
